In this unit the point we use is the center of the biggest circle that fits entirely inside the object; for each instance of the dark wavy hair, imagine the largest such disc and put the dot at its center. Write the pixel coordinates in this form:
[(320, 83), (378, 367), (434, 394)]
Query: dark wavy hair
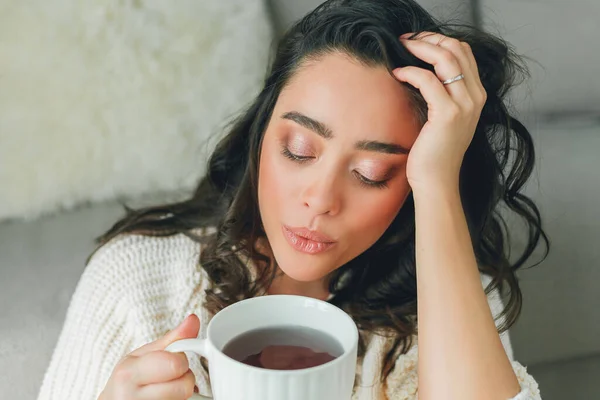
[(379, 286)]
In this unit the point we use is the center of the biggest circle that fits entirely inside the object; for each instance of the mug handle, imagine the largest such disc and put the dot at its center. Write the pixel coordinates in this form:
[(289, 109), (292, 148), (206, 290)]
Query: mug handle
[(198, 346)]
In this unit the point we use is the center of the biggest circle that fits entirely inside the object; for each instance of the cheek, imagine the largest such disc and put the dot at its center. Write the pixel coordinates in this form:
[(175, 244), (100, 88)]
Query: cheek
[(372, 216), (274, 183)]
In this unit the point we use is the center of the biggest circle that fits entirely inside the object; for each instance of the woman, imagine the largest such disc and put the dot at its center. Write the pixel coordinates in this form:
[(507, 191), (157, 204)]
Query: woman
[(369, 172)]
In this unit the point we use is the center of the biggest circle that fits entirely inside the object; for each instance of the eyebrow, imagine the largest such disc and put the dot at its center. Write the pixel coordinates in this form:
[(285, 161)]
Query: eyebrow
[(325, 132)]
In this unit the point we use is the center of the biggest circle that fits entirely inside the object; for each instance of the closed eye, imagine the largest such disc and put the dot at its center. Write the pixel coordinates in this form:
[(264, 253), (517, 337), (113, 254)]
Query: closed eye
[(294, 157), (371, 183), (361, 178)]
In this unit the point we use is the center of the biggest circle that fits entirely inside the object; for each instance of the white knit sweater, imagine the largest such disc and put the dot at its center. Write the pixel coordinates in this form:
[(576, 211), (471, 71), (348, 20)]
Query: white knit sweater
[(136, 288)]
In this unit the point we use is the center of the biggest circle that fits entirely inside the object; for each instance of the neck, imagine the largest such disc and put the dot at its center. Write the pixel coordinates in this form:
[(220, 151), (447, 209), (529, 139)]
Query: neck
[(283, 284)]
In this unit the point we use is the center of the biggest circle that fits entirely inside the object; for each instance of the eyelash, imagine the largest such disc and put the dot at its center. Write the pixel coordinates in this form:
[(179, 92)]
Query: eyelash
[(362, 180)]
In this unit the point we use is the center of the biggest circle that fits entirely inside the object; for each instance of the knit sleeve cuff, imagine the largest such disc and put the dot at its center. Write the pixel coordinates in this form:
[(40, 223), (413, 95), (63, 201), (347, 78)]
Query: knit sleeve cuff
[(529, 387)]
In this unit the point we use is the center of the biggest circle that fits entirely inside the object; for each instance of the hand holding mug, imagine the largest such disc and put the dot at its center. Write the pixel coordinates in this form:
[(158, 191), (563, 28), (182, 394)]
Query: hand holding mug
[(151, 373)]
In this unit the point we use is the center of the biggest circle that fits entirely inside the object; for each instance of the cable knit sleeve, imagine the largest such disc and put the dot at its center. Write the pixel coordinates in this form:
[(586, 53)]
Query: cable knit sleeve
[(95, 335), (402, 383)]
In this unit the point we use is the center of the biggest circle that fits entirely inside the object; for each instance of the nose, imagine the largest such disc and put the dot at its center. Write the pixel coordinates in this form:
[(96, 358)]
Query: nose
[(321, 195)]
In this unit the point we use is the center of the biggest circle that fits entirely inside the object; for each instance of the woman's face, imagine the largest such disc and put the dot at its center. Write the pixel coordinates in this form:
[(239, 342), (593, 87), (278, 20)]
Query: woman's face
[(333, 161)]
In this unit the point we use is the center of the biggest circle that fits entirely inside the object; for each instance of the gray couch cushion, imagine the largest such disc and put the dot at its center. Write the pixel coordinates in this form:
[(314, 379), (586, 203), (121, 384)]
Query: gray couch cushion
[(572, 379), (563, 37), (561, 317), (40, 264)]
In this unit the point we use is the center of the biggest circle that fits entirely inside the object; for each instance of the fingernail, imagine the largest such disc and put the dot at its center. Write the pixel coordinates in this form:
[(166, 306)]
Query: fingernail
[(405, 35)]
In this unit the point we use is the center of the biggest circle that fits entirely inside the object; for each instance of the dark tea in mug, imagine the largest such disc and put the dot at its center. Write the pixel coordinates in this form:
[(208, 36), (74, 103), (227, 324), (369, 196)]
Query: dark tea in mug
[(284, 348)]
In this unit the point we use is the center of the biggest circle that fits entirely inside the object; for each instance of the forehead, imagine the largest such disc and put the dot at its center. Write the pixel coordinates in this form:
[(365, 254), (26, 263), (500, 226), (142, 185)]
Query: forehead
[(350, 97)]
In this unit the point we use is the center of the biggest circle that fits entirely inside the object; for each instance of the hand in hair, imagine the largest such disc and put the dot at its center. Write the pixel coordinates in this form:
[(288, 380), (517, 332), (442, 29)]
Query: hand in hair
[(453, 109)]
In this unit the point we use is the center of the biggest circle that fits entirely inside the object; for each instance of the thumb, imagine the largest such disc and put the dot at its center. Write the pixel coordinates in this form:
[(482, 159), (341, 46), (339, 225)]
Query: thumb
[(188, 329)]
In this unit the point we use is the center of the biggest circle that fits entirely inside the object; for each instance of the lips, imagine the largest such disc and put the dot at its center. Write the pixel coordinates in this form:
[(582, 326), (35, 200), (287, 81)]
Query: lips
[(310, 235), (307, 241)]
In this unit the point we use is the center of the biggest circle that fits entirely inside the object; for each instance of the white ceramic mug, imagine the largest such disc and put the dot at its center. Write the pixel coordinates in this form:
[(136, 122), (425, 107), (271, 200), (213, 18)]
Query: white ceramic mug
[(234, 380)]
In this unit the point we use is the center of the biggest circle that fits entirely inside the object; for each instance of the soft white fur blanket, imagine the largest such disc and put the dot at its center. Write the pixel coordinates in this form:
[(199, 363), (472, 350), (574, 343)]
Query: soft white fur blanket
[(111, 98)]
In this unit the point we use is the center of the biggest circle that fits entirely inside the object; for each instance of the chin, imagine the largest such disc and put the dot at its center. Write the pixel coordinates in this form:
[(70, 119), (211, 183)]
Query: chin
[(302, 268)]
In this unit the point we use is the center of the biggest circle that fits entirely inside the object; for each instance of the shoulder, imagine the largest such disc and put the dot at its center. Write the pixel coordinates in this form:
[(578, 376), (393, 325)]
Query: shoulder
[(159, 280), (132, 260), (402, 382)]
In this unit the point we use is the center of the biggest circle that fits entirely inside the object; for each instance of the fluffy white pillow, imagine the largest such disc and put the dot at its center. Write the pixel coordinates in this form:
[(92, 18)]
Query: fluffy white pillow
[(109, 98)]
